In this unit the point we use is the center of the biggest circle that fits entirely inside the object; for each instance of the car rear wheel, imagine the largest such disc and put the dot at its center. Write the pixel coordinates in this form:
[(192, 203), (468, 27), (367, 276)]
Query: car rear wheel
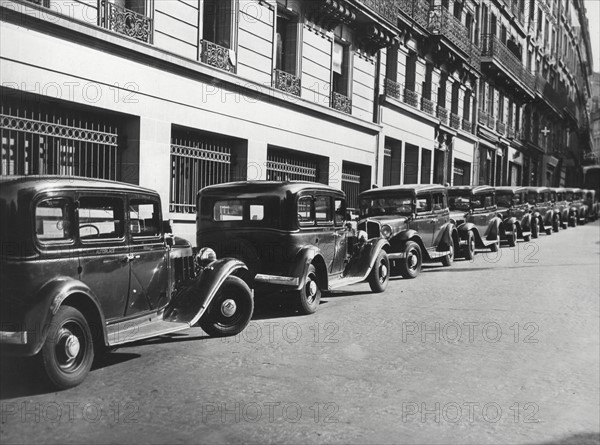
[(469, 249), (447, 260), (309, 296), (68, 351), (410, 265), (230, 310), (380, 275)]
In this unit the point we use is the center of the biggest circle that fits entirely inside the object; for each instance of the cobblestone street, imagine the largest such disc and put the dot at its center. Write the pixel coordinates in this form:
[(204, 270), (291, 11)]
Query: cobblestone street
[(503, 349)]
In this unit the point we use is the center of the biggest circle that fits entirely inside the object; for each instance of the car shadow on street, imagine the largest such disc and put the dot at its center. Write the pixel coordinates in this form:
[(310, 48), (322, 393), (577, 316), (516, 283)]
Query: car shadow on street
[(576, 439), (20, 376)]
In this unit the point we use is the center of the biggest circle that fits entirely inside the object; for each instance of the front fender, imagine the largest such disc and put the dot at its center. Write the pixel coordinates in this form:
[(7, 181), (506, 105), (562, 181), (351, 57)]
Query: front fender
[(191, 302), (50, 297), (526, 222), (464, 229), (448, 235), (493, 230)]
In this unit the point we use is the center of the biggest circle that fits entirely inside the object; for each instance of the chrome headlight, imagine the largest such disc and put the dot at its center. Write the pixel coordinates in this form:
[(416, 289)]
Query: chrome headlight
[(386, 231), (205, 256)]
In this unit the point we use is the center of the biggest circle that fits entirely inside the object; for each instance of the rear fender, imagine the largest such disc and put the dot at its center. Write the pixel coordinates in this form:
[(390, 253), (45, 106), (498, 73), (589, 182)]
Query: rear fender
[(191, 302), (448, 236), (494, 229), (304, 258), (51, 297)]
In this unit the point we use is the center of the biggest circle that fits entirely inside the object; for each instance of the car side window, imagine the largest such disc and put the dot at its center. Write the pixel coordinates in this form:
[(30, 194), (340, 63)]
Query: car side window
[(477, 202), (323, 210), (52, 221), (100, 218), (438, 202), (305, 213), (144, 218), (488, 201), (424, 204), (340, 212)]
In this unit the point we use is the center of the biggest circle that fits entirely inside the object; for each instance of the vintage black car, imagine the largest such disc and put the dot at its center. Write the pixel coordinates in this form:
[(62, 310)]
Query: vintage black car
[(591, 200), (416, 221), (88, 264), (558, 195), (516, 215), (473, 210), (295, 238), (578, 209), (545, 218)]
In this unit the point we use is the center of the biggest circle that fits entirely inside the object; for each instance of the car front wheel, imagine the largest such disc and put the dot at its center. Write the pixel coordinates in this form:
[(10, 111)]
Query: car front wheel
[(535, 228), (469, 249), (512, 237), (231, 309), (410, 265), (68, 351), (380, 275)]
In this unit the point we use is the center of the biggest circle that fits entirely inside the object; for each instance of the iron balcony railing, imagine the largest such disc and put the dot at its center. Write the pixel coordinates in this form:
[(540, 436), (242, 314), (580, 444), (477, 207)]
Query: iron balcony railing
[(411, 97), (217, 56), (442, 114), (124, 21), (418, 10), (442, 22), (341, 103), (500, 127), (287, 82), (385, 8), (493, 50), (467, 125), (427, 105), (454, 120)]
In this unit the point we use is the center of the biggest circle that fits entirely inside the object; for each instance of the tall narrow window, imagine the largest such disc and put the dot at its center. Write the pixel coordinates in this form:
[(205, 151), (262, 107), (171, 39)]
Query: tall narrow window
[(287, 44), (285, 76), (217, 19), (341, 70)]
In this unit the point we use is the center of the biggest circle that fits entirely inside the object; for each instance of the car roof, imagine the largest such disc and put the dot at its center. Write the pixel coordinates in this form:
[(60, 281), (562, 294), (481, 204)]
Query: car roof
[(249, 189), (558, 189), (41, 183), (416, 188), (538, 189), (573, 189), (515, 189), (473, 189)]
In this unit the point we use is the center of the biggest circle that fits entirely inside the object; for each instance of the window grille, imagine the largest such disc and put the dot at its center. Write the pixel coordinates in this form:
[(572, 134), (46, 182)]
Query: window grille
[(351, 186), (42, 140), (287, 167), (197, 161)]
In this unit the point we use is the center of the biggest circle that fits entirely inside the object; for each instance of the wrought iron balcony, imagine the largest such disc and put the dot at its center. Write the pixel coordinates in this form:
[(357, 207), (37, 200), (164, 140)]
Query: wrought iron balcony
[(494, 51), (500, 127), (482, 117), (124, 21), (217, 56), (392, 88), (418, 10), (411, 97), (441, 22), (455, 120), (385, 8), (427, 105), (467, 126), (341, 103), (287, 82), (510, 132), (442, 114)]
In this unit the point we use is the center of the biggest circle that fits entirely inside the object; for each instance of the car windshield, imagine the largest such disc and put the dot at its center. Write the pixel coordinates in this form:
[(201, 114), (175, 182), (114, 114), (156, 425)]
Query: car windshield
[(386, 205), (569, 196), (533, 198), (506, 199), (459, 202)]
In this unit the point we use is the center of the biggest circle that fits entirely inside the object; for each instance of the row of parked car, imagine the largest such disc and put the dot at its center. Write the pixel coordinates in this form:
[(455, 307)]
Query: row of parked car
[(88, 265)]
